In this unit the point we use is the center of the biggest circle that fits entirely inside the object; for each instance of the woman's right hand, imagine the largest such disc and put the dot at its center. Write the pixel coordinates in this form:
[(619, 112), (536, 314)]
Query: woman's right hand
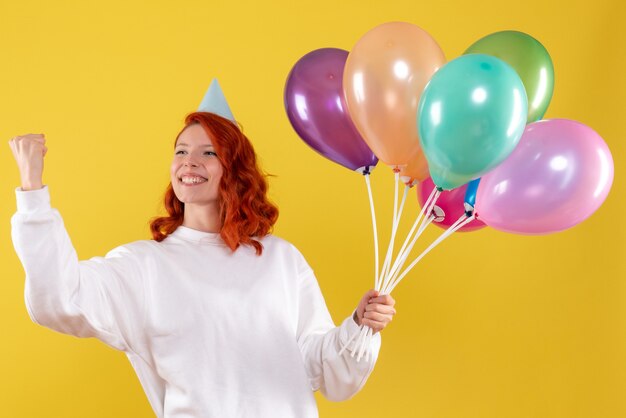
[(29, 151)]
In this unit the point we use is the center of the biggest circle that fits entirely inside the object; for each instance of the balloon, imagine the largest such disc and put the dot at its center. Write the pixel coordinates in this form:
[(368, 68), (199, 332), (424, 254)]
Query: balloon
[(452, 204), (530, 60), (385, 74), (470, 195), (316, 108), (558, 175), (472, 115), (416, 170)]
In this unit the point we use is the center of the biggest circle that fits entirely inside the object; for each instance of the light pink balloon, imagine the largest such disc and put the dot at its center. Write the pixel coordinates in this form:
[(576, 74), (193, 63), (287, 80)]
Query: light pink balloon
[(558, 175), (451, 202)]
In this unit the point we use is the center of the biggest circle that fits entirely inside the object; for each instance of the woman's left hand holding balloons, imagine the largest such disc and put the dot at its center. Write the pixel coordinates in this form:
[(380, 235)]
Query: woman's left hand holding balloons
[(375, 310)]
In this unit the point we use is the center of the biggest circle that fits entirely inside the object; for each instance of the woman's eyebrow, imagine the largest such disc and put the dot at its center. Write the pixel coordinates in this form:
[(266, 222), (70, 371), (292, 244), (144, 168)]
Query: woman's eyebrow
[(182, 144)]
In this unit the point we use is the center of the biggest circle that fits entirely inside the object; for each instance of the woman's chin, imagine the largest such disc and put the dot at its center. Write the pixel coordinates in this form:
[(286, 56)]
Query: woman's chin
[(196, 200)]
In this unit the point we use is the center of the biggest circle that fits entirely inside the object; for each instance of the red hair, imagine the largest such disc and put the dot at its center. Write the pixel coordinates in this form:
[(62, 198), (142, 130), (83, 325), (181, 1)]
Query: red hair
[(245, 211)]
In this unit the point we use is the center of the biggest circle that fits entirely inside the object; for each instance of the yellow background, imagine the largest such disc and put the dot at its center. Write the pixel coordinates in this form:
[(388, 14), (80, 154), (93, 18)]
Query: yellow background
[(490, 325)]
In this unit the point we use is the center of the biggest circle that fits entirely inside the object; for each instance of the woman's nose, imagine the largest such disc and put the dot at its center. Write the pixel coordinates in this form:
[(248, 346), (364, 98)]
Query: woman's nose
[(190, 163)]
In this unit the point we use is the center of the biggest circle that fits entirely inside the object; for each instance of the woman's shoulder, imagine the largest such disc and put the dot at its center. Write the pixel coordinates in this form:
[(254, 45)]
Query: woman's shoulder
[(286, 250), (139, 248), (277, 243)]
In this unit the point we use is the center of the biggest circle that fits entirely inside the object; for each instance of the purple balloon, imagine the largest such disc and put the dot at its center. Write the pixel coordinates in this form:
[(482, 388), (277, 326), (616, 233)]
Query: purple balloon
[(317, 109), (558, 175)]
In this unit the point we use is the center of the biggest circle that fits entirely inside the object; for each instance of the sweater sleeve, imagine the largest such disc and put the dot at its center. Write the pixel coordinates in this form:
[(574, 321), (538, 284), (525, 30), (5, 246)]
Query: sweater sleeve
[(338, 377), (102, 297)]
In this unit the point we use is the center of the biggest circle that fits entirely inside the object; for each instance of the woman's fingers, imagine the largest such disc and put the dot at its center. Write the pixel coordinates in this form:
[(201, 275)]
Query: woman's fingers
[(374, 325), (376, 321), (383, 299), (379, 312), (378, 317), (384, 309), (376, 311), (40, 138)]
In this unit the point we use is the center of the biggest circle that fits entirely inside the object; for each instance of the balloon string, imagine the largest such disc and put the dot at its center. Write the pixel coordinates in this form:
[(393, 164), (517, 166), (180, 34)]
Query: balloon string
[(359, 340), (460, 223), (394, 228), (373, 211), (397, 213), (392, 283), (393, 224), (365, 332), (410, 240), (365, 336), (350, 339), (406, 191), (425, 222), (363, 340), (359, 346), (419, 217), (376, 263), (365, 343), (425, 209), (402, 257), (396, 220)]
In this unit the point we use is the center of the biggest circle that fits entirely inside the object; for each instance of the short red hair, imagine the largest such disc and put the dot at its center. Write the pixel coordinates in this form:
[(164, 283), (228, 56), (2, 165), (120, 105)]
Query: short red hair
[(245, 211)]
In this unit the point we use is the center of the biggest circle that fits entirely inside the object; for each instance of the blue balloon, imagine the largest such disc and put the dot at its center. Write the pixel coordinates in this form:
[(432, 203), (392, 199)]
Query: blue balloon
[(470, 195)]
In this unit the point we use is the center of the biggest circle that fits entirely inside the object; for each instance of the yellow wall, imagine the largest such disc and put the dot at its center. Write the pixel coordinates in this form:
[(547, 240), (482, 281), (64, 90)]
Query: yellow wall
[(490, 325)]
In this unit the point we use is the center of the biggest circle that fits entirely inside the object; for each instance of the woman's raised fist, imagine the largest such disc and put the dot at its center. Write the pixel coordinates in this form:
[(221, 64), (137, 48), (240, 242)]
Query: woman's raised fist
[(29, 151)]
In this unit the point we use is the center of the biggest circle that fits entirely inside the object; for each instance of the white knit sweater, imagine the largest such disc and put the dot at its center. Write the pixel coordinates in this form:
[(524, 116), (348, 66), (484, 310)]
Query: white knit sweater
[(209, 332)]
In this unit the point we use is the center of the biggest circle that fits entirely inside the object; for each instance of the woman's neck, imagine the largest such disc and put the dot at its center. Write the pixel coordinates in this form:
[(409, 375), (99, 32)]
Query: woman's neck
[(202, 217)]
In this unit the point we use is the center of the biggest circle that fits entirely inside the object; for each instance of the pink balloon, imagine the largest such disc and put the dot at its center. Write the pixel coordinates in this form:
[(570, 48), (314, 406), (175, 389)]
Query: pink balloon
[(451, 202), (558, 175)]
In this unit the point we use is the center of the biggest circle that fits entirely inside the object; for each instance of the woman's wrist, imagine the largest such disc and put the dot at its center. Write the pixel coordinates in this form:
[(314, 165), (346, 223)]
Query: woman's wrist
[(32, 185), (356, 318)]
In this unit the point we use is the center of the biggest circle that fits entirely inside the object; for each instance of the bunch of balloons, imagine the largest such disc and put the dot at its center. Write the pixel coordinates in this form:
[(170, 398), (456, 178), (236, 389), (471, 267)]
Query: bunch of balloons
[(394, 98), (467, 133)]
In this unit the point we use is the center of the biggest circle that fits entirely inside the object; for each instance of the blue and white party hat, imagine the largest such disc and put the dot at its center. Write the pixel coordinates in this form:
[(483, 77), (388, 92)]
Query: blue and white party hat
[(215, 102)]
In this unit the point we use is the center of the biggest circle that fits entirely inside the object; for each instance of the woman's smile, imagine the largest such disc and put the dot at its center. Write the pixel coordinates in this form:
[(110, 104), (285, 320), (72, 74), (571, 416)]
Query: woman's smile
[(192, 180)]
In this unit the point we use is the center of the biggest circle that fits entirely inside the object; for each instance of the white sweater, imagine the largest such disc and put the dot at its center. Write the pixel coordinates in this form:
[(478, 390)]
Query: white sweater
[(209, 332)]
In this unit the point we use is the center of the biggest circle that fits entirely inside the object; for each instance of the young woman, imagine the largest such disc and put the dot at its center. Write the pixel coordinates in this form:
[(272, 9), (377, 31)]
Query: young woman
[(218, 317)]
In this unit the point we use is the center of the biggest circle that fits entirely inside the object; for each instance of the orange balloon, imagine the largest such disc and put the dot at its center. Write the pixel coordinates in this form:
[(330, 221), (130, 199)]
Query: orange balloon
[(416, 170), (383, 80)]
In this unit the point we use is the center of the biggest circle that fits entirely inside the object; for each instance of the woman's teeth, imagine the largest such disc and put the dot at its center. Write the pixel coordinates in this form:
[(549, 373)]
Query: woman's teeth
[(193, 180)]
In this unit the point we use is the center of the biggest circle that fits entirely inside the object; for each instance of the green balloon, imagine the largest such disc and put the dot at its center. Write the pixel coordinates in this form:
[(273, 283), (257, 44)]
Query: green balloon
[(472, 114), (530, 60)]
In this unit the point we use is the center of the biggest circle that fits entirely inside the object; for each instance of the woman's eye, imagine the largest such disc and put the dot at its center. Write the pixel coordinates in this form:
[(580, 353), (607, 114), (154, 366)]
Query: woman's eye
[(207, 152)]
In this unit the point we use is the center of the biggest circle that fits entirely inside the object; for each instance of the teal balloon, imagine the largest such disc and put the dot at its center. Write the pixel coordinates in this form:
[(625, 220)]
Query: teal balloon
[(472, 114)]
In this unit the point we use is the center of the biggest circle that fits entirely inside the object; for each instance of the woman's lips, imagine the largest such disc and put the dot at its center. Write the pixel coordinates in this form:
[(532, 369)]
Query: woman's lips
[(192, 184)]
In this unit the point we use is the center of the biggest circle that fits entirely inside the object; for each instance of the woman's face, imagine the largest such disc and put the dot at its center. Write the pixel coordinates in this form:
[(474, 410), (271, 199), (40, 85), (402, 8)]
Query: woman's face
[(196, 171)]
